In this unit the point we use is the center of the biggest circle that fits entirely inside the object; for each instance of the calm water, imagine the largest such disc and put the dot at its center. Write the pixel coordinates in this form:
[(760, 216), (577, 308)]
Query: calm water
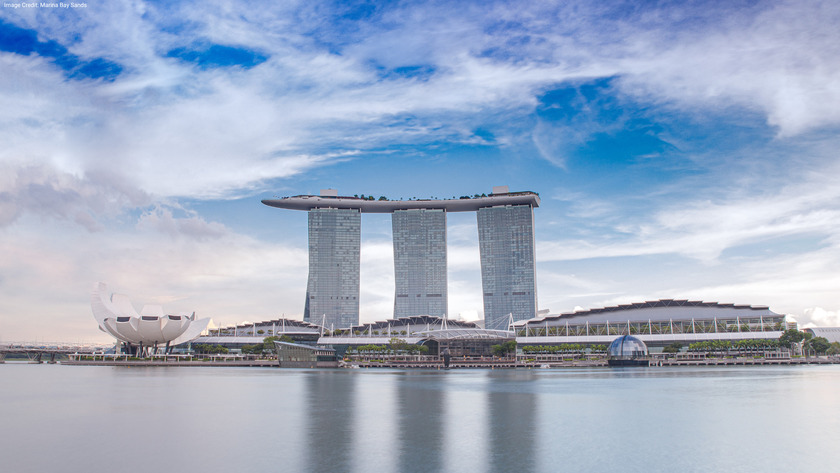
[(93, 419)]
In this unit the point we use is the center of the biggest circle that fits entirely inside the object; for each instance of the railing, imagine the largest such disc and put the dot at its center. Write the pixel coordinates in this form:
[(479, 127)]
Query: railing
[(125, 357)]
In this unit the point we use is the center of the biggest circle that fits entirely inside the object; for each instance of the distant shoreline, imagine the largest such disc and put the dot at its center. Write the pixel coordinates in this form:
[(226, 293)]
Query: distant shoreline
[(268, 363)]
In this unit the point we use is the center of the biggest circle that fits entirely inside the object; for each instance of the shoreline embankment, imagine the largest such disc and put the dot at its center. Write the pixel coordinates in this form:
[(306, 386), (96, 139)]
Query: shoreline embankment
[(456, 364)]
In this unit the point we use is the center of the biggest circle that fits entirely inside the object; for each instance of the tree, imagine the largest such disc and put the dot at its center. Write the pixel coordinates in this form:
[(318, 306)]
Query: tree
[(834, 349), (252, 349), (417, 349), (504, 348), (207, 348), (672, 348), (267, 345), (791, 336), (398, 344), (819, 344)]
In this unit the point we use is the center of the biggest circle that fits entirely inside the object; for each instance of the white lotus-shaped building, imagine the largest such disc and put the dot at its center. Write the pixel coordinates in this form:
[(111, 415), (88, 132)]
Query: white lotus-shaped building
[(150, 328)]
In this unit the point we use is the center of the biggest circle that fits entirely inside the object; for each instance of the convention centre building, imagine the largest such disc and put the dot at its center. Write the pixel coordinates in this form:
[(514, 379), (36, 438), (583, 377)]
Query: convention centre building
[(657, 323)]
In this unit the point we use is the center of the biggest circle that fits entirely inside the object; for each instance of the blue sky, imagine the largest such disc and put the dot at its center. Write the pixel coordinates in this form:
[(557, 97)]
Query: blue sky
[(680, 149)]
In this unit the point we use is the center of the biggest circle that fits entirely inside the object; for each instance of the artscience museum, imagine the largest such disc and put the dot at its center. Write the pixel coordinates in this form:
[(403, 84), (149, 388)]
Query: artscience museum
[(146, 331)]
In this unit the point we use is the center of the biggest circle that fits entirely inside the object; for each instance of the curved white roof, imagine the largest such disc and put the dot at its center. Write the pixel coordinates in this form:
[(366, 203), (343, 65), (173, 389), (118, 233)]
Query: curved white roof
[(117, 317), (467, 334), (663, 309), (832, 334), (412, 320)]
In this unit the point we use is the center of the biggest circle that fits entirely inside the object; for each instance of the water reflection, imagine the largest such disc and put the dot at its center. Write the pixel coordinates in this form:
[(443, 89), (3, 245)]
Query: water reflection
[(329, 428), (422, 415), (80, 419), (465, 447), (375, 429), (510, 413)]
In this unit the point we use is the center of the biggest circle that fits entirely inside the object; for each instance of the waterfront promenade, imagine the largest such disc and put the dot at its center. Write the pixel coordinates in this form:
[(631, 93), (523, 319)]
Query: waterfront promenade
[(434, 363), (110, 359), (93, 356), (601, 362)]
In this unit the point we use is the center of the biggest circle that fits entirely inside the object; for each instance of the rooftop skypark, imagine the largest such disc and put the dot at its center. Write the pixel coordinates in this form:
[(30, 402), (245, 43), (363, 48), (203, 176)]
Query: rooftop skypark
[(330, 199)]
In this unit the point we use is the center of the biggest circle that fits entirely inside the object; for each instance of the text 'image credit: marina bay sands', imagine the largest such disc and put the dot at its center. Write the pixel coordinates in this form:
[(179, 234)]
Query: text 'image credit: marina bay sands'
[(506, 248)]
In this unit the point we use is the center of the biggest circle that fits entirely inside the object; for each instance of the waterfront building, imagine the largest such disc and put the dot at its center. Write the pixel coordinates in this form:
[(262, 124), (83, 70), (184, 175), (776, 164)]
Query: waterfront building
[(508, 275), (419, 262), (656, 323), (401, 327), (439, 334), (252, 333), (296, 355), (832, 334), (141, 332), (506, 241), (332, 291)]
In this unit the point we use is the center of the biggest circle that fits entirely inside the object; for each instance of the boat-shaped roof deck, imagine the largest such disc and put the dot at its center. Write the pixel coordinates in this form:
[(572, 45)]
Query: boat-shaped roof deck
[(309, 202)]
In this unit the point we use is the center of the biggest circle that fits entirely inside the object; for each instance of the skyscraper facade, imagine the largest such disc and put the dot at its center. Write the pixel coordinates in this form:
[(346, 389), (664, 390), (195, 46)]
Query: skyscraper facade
[(506, 243), (332, 291), (419, 262), (508, 276)]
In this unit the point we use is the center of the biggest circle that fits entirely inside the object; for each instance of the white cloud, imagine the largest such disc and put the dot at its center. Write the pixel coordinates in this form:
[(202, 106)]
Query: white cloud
[(465, 298), (85, 156), (48, 192), (376, 298), (819, 317), (233, 129), (782, 60), (703, 229), (48, 270), (790, 283), (761, 241), (161, 219)]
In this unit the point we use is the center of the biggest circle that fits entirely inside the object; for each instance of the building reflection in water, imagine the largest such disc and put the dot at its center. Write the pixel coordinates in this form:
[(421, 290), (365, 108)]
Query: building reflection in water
[(465, 445), (376, 420), (331, 409), (427, 421), (511, 421), (421, 404)]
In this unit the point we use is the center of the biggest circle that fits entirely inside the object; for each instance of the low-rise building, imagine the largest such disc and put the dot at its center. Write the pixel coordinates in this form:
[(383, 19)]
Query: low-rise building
[(656, 323)]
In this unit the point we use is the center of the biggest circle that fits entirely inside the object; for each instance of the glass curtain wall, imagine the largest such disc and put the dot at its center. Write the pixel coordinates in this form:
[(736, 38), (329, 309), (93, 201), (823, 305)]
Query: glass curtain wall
[(332, 292), (419, 262), (508, 277)]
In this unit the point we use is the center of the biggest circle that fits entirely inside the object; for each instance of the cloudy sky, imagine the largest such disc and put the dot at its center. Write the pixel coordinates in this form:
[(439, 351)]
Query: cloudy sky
[(682, 150)]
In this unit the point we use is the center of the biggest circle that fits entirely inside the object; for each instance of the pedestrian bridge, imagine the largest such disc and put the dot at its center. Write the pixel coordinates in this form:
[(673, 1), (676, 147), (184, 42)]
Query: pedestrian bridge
[(36, 352)]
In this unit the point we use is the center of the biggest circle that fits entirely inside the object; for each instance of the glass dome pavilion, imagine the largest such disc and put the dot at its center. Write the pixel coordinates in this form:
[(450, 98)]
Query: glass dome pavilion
[(627, 350)]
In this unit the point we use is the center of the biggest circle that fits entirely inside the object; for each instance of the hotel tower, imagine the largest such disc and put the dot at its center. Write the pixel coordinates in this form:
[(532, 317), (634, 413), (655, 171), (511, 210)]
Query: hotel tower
[(506, 244)]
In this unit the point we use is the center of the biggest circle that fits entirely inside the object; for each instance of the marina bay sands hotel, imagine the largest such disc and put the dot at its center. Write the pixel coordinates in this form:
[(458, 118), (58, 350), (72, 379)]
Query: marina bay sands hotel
[(506, 247)]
